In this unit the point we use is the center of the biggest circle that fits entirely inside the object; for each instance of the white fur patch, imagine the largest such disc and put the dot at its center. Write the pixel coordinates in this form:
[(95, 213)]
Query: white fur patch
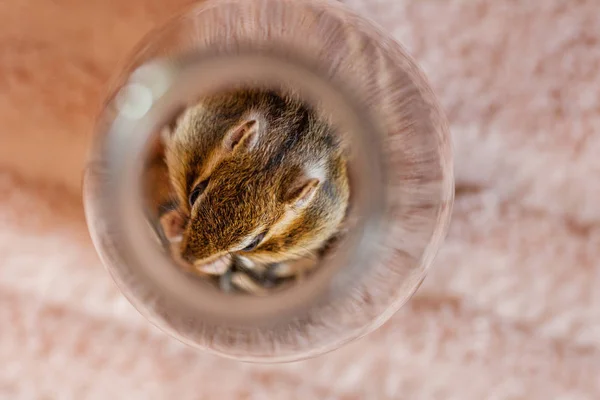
[(317, 170)]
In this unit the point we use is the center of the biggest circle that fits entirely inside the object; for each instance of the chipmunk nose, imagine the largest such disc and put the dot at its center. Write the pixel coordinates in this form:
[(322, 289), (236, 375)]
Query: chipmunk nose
[(192, 252), (187, 256), (185, 252)]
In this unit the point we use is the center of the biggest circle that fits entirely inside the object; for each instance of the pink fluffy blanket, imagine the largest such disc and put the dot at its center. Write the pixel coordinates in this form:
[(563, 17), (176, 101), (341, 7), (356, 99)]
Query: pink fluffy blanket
[(511, 309)]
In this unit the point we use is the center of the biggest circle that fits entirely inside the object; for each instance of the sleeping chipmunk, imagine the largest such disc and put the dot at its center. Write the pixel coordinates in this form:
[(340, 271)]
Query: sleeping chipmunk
[(260, 184)]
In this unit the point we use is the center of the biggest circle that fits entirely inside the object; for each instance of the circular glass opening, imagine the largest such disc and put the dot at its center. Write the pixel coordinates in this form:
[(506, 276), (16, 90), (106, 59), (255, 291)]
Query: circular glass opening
[(270, 179)]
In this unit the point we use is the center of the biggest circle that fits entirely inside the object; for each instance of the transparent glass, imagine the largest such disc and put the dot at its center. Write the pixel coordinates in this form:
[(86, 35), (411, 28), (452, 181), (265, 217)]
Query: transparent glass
[(400, 168)]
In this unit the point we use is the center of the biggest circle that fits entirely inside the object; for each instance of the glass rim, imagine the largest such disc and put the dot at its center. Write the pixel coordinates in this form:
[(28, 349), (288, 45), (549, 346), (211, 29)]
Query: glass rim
[(178, 324)]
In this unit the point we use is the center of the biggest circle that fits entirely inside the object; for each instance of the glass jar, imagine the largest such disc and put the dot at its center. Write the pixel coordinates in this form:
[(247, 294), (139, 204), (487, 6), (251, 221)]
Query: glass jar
[(400, 168)]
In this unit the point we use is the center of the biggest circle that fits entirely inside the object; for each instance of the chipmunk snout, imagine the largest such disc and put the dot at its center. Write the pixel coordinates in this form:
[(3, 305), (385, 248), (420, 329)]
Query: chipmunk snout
[(196, 249), (192, 252), (205, 261), (189, 255)]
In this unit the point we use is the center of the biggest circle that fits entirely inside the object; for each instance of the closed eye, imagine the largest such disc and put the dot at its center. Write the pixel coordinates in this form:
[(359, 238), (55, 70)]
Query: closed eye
[(197, 191), (255, 242)]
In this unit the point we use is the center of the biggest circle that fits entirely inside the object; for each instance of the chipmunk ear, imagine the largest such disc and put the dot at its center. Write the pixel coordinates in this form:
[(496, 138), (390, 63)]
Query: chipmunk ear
[(245, 134), (302, 192), (305, 186)]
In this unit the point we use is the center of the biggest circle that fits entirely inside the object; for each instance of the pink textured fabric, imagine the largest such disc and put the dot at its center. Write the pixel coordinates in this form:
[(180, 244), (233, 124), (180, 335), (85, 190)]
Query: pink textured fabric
[(511, 309)]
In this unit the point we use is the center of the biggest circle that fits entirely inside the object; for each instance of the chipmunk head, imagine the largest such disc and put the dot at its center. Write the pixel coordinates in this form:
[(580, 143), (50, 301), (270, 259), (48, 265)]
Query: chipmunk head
[(256, 174)]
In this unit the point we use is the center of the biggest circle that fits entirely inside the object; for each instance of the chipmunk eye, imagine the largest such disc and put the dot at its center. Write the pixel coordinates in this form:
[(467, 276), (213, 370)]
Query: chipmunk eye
[(197, 191), (255, 242)]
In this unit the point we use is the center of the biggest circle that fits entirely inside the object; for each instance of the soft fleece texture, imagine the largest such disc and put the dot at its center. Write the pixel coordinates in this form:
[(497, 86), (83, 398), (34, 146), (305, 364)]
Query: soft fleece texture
[(511, 309)]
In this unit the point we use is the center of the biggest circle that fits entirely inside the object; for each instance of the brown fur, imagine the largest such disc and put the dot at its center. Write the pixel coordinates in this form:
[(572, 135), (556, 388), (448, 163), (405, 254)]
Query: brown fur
[(255, 187)]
